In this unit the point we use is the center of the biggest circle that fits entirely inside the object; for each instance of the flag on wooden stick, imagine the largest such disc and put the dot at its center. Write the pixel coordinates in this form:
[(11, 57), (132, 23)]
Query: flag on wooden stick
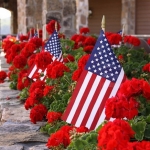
[(99, 81), (53, 46)]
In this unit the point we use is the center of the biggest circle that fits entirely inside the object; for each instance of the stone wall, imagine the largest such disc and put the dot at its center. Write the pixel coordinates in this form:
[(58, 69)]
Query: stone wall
[(82, 14), (128, 16), (71, 14), (22, 19), (62, 11), (37, 12)]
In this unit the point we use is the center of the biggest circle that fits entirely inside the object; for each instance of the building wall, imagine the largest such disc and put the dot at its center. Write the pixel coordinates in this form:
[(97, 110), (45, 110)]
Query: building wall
[(33, 13)]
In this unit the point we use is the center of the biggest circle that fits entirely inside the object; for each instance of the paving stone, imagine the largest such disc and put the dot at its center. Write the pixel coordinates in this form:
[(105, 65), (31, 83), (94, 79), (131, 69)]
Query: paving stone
[(16, 130), (13, 147)]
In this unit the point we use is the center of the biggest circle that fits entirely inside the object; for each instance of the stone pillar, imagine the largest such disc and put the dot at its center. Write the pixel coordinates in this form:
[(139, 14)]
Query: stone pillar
[(29, 15), (62, 11), (128, 16), (34, 14), (22, 21), (82, 14)]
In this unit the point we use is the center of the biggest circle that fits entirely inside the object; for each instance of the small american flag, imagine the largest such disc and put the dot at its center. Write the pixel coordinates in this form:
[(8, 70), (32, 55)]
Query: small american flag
[(53, 46), (35, 34), (99, 81)]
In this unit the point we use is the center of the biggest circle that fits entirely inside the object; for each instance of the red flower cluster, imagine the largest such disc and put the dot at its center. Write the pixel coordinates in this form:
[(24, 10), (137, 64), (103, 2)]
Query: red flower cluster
[(69, 58), (3, 75), (121, 107), (81, 64), (20, 61), (114, 135), (43, 59), (84, 30), (28, 49), (37, 113), (48, 89), (50, 27), (35, 94), (53, 116), (23, 81), (132, 40), (148, 41), (146, 67), (83, 41), (59, 138), (56, 70), (113, 38), (125, 103)]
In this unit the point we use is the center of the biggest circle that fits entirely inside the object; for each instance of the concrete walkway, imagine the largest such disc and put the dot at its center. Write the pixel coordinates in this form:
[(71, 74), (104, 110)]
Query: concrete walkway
[(16, 130)]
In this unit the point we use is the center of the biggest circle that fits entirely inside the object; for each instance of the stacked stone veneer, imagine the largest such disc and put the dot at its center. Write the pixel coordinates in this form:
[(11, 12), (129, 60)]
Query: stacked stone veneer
[(71, 14), (128, 16), (36, 12)]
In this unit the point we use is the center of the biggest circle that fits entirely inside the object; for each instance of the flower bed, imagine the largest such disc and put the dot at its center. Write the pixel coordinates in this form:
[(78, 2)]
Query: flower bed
[(48, 99)]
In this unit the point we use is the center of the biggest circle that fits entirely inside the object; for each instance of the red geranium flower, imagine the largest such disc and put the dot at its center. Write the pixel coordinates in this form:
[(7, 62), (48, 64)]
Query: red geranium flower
[(132, 40), (50, 27), (83, 60), (36, 41), (37, 84), (90, 41), (69, 58), (19, 61), (23, 38), (115, 135), (28, 49), (56, 70), (48, 89), (88, 49), (59, 138), (37, 113), (146, 67), (3, 75), (37, 94), (43, 59), (114, 38), (53, 116), (76, 74), (84, 30)]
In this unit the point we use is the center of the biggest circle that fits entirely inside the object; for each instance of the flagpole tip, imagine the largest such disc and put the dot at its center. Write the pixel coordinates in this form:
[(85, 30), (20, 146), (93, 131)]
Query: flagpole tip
[(103, 23)]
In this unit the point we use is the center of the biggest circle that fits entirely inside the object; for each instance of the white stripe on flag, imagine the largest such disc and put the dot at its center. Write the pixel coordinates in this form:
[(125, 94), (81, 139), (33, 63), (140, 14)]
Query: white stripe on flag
[(33, 71), (113, 93), (98, 102), (43, 75), (88, 100), (79, 96)]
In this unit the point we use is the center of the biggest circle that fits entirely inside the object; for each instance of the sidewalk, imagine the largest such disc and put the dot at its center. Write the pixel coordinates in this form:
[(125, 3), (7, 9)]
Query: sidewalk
[(16, 130)]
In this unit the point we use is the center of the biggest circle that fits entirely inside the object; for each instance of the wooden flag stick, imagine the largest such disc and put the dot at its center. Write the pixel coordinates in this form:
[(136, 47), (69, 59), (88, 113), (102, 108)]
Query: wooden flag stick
[(123, 27), (103, 23), (56, 25), (37, 30)]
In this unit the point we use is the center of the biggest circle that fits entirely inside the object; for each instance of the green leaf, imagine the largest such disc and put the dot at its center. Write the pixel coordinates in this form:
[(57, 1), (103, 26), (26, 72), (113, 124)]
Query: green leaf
[(147, 131), (80, 144), (139, 128)]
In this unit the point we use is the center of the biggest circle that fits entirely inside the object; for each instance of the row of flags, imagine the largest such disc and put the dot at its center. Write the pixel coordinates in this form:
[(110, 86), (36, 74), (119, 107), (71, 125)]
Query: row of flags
[(100, 80)]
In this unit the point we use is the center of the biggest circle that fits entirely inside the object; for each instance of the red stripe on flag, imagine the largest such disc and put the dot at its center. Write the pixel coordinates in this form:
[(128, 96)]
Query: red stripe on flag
[(101, 108), (83, 99), (91, 105), (74, 95)]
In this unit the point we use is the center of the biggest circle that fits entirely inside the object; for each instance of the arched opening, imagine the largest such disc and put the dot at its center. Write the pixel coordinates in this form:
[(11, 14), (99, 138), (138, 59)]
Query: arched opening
[(5, 22)]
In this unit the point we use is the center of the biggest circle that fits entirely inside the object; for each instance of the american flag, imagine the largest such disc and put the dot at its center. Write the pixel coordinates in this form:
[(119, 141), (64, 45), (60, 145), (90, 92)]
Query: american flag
[(35, 34), (100, 80), (53, 46)]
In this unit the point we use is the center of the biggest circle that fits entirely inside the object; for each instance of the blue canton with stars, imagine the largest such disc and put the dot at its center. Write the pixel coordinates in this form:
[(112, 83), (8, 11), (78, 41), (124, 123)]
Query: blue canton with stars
[(53, 45), (103, 61)]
